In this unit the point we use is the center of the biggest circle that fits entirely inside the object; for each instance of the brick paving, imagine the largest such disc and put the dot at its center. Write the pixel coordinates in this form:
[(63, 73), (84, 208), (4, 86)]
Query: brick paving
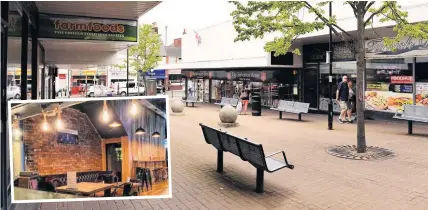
[(319, 180)]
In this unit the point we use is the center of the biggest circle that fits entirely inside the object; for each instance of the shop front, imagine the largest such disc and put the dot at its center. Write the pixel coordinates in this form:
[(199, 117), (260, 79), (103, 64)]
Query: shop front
[(210, 85), (392, 79), (396, 78), (158, 75)]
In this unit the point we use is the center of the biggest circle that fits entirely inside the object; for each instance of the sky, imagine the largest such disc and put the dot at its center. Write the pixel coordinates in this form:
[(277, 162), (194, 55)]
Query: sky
[(189, 15)]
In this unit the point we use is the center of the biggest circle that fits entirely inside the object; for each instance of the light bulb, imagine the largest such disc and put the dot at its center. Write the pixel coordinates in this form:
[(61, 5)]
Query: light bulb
[(17, 133), (59, 123), (133, 108), (105, 115), (45, 126)]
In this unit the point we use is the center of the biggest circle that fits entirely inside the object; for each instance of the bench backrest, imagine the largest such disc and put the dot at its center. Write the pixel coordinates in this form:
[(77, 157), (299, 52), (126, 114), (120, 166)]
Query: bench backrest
[(282, 104), (191, 98), (226, 100), (229, 143), (301, 107), (212, 136), (415, 111), (223, 100), (233, 101), (289, 105), (252, 153)]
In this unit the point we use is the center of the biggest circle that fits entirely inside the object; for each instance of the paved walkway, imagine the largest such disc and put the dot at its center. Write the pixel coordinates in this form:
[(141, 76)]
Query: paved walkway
[(319, 181)]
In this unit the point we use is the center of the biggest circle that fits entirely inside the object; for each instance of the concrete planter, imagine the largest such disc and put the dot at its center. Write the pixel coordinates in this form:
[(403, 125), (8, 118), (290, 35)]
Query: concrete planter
[(228, 116), (177, 106)]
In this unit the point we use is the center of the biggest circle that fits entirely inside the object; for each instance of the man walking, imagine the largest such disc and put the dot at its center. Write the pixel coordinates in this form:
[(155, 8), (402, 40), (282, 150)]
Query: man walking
[(342, 96)]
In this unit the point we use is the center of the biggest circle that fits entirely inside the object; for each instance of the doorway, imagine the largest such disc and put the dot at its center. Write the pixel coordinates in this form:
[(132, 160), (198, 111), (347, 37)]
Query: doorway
[(114, 157), (310, 85)]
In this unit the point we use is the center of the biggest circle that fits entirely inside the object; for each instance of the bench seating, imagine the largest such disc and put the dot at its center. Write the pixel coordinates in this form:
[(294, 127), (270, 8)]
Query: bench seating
[(247, 151), (228, 101), (292, 107), (190, 99), (413, 113)]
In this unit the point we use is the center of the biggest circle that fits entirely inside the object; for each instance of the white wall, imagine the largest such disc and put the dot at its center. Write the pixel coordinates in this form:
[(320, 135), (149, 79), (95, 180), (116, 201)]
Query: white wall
[(218, 46)]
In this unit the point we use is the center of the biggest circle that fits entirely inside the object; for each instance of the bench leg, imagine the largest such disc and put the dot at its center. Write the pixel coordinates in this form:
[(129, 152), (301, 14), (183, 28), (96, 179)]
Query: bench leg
[(410, 127), (260, 181), (280, 115), (300, 116), (186, 104), (193, 104), (219, 161)]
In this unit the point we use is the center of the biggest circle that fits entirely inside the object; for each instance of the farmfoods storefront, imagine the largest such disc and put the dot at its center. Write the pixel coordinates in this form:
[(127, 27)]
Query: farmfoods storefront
[(37, 37)]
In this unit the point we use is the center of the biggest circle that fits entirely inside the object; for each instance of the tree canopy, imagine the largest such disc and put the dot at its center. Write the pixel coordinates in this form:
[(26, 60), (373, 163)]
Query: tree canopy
[(146, 54), (255, 19)]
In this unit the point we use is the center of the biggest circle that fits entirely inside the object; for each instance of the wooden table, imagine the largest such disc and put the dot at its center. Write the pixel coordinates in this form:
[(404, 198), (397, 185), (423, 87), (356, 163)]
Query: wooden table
[(89, 188), (29, 194)]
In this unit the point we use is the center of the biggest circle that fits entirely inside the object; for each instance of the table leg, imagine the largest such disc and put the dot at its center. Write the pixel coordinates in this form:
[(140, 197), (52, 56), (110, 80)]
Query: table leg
[(107, 193)]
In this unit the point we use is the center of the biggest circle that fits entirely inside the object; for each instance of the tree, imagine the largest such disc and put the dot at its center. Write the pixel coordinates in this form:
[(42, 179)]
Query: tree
[(256, 19), (145, 56)]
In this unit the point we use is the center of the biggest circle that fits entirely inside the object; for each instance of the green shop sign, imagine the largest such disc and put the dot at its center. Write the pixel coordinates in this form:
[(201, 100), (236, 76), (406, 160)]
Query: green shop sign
[(87, 28)]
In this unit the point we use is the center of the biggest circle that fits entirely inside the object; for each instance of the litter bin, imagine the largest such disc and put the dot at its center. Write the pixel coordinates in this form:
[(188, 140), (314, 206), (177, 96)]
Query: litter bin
[(256, 104)]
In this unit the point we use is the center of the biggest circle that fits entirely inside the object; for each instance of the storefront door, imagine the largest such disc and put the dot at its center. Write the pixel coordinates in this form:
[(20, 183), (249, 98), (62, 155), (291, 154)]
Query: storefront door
[(310, 85)]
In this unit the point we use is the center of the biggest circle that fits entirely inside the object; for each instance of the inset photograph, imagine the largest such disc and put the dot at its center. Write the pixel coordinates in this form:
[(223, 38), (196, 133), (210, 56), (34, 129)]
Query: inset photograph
[(89, 149)]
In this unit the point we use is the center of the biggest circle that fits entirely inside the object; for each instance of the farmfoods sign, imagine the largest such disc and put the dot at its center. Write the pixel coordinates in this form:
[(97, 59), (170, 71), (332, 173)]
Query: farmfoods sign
[(87, 28)]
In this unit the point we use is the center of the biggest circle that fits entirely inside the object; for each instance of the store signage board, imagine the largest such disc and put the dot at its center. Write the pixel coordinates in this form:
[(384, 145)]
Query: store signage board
[(318, 52), (87, 28), (15, 22), (401, 80), (406, 47)]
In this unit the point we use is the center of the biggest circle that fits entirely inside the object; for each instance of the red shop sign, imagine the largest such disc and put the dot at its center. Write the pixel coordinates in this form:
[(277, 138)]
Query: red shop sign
[(61, 76), (401, 79)]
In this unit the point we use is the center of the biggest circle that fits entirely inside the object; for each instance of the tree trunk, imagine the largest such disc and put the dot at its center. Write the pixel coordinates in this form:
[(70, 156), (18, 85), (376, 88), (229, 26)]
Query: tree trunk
[(145, 84), (361, 67)]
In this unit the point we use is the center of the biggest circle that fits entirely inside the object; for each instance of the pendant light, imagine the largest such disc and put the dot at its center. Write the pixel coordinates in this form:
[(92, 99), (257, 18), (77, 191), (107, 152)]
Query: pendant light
[(155, 134), (59, 124), (134, 108), (105, 112), (45, 125), (16, 129), (140, 131)]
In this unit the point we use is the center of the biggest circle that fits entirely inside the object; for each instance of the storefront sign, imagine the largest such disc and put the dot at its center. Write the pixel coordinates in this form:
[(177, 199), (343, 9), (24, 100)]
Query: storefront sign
[(62, 76), (324, 105), (247, 75), (156, 74), (401, 80), (406, 47), (199, 74), (174, 71), (87, 28), (317, 52)]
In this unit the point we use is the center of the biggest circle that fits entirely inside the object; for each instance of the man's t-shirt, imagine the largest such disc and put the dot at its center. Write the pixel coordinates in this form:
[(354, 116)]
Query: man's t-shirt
[(343, 91)]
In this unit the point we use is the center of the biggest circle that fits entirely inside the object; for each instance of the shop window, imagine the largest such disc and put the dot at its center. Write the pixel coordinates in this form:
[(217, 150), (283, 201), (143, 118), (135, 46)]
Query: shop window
[(421, 77), (389, 84)]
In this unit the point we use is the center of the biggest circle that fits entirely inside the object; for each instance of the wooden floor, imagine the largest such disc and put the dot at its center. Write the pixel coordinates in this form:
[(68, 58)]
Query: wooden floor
[(158, 189)]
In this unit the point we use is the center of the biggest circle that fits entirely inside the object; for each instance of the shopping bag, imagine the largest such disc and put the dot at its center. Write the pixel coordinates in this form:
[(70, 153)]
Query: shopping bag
[(239, 107)]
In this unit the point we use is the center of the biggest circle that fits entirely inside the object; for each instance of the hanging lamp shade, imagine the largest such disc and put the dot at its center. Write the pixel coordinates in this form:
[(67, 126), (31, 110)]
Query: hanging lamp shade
[(140, 131), (156, 134)]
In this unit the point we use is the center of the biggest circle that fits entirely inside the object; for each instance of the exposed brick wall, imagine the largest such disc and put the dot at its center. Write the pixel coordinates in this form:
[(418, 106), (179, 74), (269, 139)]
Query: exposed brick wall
[(47, 156)]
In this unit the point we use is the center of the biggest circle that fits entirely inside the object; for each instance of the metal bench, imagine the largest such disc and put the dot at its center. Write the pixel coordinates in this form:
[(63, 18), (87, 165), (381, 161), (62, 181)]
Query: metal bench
[(247, 151), (292, 107), (228, 101), (413, 113), (191, 99), (223, 101)]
